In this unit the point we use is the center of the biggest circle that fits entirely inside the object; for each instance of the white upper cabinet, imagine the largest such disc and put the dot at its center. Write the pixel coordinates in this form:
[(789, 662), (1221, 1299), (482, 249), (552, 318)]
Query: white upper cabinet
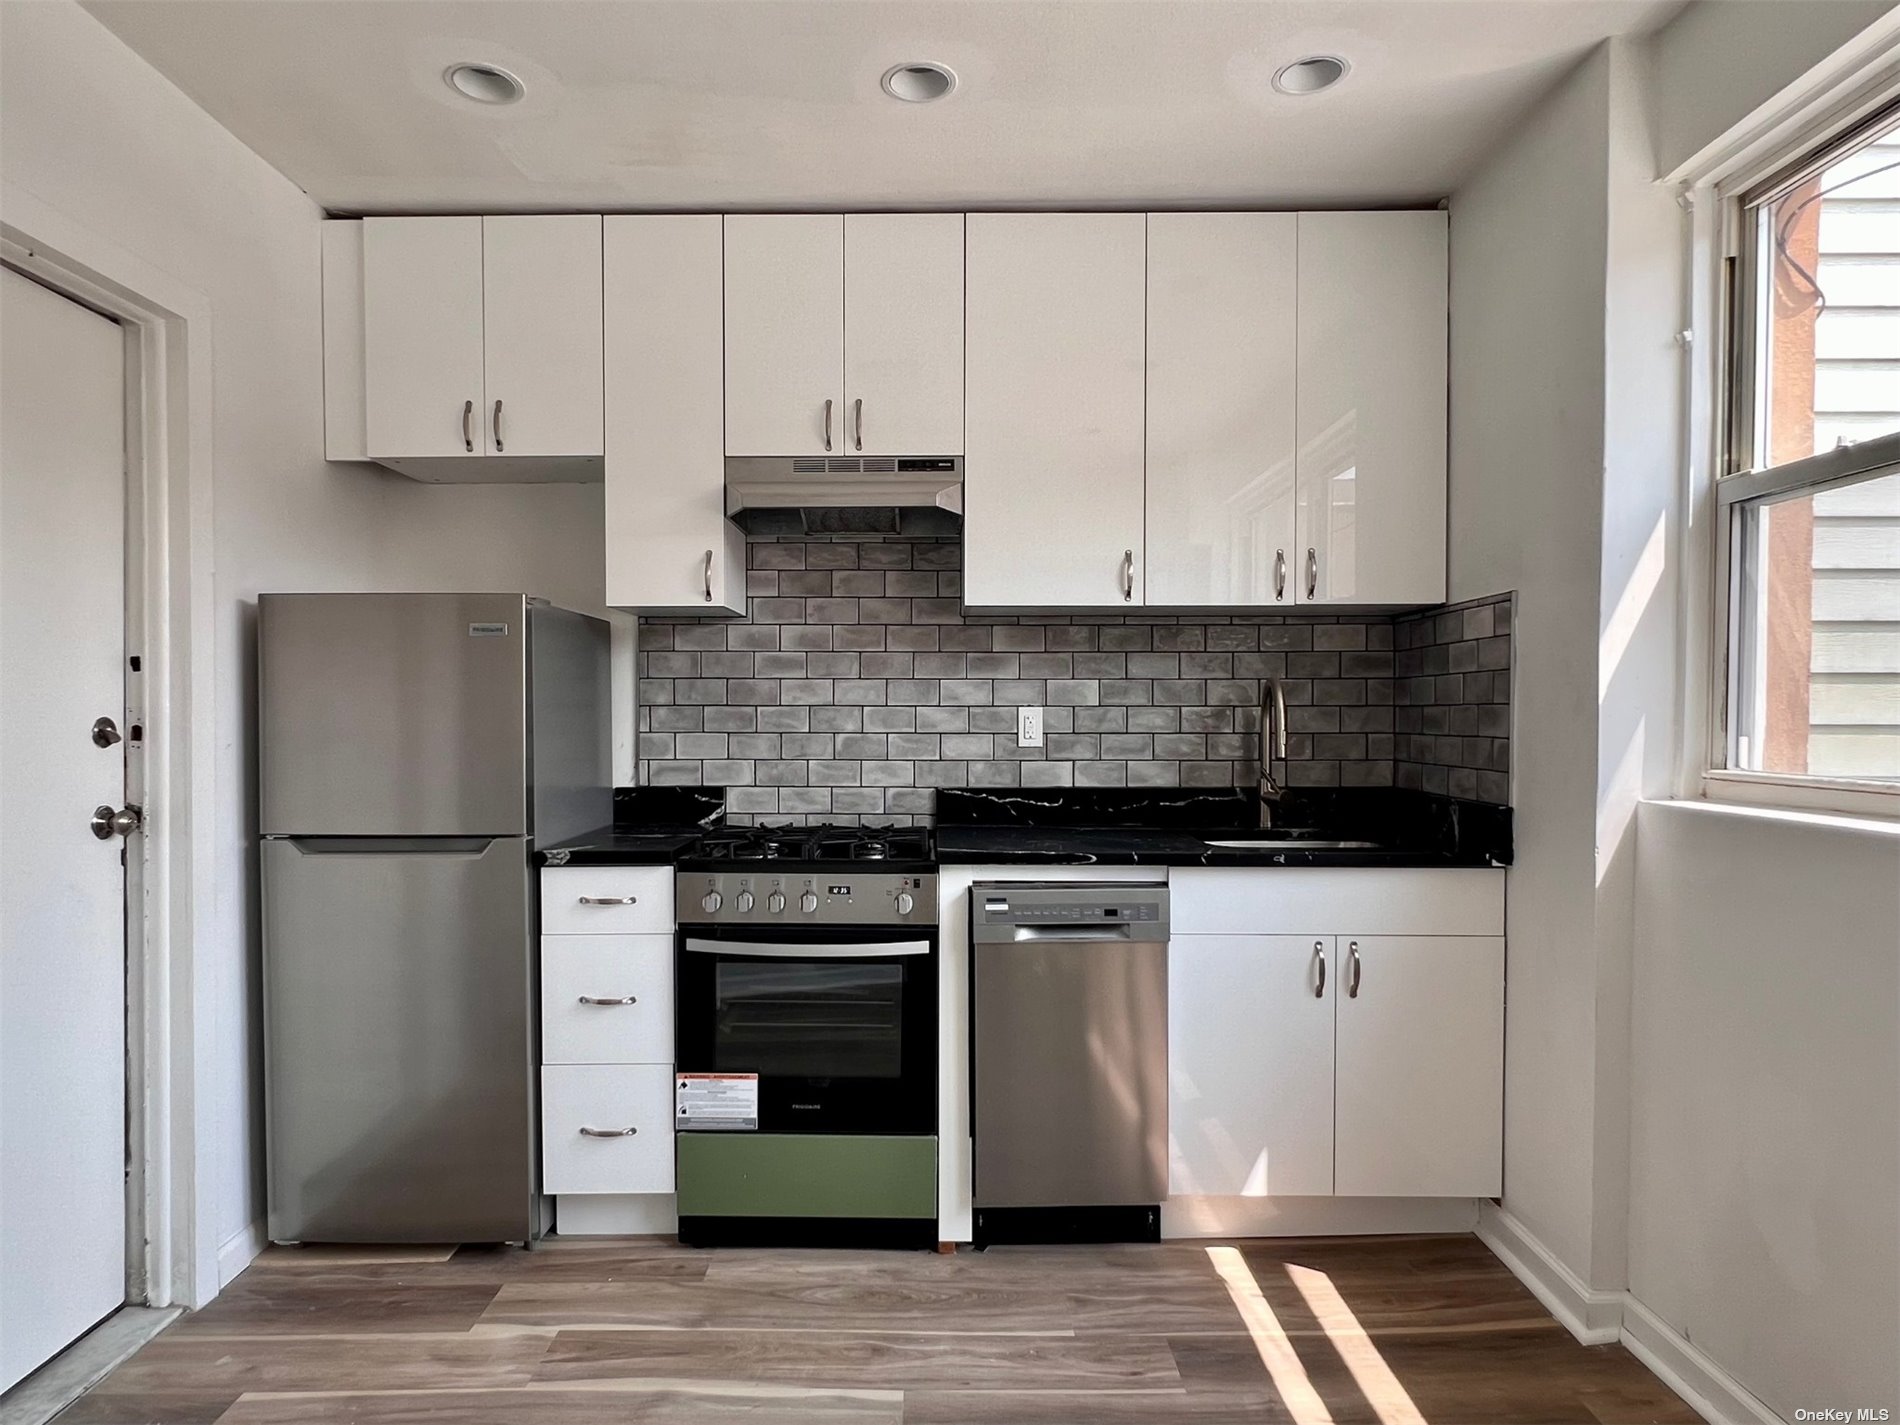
[(1250, 1065), (1419, 1096), (670, 547), (481, 339), (542, 348), (1222, 295), (422, 337), (1053, 427), (1371, 408), (784, 322), (903, 334)]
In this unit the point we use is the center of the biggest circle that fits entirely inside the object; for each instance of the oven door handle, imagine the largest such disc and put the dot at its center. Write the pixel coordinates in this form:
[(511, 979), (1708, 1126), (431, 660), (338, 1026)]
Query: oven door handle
[(778, 949)]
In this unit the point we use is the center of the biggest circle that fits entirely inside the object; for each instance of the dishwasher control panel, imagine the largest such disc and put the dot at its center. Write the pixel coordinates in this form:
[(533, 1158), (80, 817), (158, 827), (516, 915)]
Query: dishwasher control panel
[(999, 911)]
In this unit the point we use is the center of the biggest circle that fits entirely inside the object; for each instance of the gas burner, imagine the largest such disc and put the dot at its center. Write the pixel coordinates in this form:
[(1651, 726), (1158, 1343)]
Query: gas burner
[(814, 844)]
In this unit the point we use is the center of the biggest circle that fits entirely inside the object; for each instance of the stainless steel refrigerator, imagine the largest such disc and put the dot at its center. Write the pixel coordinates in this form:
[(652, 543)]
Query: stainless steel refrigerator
[(413, 748)]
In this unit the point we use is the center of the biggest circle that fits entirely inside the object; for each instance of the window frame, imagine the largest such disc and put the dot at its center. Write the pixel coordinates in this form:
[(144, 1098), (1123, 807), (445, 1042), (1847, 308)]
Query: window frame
[(1740, 485)]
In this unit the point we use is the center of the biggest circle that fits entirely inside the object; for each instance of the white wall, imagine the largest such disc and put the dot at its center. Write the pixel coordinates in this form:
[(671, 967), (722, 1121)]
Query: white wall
[(90, 130), (1766, 1142), (1528, 242), (1719, 61)]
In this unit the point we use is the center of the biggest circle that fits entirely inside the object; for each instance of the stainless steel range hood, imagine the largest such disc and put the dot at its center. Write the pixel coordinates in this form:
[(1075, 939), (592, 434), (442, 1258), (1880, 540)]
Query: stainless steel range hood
[(845, 494)]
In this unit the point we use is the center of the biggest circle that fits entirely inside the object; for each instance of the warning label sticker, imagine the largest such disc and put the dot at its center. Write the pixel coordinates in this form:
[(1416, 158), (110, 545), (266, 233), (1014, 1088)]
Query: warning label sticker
[(720, 1101)]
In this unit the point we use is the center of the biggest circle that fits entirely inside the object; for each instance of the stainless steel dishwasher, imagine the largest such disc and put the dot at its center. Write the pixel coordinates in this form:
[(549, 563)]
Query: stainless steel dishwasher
[(1069, 1060)]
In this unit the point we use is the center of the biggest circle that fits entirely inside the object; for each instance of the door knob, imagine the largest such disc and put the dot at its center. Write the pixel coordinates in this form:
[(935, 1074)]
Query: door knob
[(106, 823), (105, 732)]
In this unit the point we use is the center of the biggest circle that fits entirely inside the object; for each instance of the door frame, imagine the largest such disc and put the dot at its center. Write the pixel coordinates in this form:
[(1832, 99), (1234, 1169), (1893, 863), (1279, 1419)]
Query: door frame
[(172, 1239)]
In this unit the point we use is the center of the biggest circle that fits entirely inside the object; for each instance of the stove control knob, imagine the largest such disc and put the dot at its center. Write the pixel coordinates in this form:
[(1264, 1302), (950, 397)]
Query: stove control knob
[(711, 902), (775, 902), (906, 903), (743, 902), (808, 903)]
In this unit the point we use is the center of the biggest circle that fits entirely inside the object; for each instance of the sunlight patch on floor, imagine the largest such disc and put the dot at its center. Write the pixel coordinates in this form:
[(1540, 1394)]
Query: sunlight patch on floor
[(1374, 1377), (1269, 1339)]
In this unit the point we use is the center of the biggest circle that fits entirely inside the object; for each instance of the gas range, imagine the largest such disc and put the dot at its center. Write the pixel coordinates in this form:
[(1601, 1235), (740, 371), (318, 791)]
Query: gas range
[(809, 875)]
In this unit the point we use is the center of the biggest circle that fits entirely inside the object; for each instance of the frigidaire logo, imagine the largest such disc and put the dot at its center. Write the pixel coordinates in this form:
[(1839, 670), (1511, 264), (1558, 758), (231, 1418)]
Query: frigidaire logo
[(805, 1105)]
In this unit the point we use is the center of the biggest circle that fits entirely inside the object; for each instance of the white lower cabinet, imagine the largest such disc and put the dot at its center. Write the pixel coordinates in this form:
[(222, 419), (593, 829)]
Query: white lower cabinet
[(1330, 1064), (607, 1128), (1419, 1095), (1250, 1066)]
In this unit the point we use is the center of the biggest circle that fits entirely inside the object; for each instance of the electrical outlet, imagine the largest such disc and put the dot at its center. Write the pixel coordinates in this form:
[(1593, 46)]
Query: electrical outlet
[(1029, 727)]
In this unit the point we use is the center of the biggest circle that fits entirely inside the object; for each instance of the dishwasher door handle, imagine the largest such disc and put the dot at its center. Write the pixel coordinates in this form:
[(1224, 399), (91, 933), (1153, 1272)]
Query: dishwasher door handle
[(1047, 933)]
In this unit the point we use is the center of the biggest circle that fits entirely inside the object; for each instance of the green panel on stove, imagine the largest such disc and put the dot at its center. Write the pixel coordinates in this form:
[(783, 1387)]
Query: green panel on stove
[(806, 1175)]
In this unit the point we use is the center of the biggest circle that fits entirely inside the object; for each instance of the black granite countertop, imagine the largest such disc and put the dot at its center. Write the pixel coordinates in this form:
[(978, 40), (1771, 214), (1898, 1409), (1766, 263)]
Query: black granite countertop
[(1116, 827), (610, 846)]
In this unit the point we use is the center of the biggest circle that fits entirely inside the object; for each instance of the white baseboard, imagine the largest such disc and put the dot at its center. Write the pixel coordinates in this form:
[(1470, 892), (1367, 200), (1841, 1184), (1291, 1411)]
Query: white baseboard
[(1714, 1393), (1314, 1216), (239, 1250), (1593, 1317)]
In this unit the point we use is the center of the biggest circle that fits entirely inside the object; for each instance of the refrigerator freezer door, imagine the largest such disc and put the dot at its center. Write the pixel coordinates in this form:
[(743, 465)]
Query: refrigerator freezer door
[(398, 1002), (393, 714)]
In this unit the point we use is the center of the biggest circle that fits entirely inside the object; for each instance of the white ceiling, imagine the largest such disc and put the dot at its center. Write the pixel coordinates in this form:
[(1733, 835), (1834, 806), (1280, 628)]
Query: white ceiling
[(637, 104)]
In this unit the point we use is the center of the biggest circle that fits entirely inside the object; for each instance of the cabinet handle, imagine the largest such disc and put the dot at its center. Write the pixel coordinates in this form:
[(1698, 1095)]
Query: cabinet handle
[(1128, 576), (827, 425), (1279, 575), (1319, 953), (468, 430), (610, 900), (608, 1132), (709, 576), (857, 415), (1352, 980), (610, 999), (1312, 573), (496, 423)]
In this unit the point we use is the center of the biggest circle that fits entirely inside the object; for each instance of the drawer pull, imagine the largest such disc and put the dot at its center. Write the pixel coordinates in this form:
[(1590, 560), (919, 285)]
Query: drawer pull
[(608, 1132), (610, 999), (610, 900)]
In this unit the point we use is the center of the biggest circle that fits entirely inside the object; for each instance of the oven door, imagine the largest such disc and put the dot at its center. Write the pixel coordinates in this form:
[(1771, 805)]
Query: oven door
[(840, 1023)]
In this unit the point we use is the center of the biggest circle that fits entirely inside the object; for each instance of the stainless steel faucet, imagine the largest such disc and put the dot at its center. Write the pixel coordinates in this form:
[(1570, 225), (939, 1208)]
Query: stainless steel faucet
[(1272, 745)]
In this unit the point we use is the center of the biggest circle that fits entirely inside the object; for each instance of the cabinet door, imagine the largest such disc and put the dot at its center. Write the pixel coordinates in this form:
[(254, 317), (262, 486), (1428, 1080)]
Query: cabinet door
[(1221, 339), (422, 336), (1371, 398), (784, 334), (670, 547), (1054, 337), (541, 298), (1419, 1099), (903, 334), (1250, 1065)]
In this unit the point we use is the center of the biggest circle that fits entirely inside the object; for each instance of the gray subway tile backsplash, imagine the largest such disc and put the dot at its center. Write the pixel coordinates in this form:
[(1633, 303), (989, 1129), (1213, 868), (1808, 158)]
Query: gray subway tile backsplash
[(857, 686)]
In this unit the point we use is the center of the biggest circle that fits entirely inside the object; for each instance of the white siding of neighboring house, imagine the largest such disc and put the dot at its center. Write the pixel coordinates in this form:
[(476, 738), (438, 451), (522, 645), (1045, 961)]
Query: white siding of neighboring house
[(1854, 714)]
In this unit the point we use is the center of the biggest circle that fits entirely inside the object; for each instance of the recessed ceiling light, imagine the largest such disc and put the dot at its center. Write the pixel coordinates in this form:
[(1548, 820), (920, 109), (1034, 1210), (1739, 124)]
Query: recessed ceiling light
[(484, 83), (918, 83), (1310, 75)]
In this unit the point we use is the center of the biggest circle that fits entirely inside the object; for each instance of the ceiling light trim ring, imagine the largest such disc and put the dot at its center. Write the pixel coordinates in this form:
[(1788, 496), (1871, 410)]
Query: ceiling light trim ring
[(484, 83), (919, 81), (1311, 74)]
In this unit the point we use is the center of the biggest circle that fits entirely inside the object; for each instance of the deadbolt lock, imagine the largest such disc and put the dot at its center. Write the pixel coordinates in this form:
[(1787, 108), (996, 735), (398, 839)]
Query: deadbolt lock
[(105, 732)]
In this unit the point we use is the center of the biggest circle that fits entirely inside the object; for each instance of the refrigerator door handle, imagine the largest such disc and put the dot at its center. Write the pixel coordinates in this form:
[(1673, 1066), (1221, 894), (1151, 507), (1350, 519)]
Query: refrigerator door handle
[(469, 846)]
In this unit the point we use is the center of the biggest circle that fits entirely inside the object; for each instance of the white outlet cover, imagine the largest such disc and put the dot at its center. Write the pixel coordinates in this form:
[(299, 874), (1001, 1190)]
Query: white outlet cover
[(1029, 727)]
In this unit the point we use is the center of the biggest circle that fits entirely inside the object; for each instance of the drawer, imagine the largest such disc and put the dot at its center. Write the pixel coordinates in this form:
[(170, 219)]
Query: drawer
[(607, 900), (607, 1097), (578, 968)]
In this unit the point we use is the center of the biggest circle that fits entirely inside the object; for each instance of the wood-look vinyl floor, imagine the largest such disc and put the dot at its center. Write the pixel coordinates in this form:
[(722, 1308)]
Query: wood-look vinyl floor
[(1389, 1331)]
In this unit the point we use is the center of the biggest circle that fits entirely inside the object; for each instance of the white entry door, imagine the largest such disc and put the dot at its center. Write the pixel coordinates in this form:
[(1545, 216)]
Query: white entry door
[(62, 890)]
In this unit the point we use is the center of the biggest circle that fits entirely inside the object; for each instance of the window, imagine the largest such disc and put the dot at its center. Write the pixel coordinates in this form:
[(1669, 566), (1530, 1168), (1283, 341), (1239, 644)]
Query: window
[(1812, 483)]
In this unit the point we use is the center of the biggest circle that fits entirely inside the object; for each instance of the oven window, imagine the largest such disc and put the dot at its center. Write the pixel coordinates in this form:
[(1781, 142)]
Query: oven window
[(814, 1019)]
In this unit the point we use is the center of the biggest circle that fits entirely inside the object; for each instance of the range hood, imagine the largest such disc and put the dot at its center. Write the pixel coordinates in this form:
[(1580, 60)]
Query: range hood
[(845, 494)]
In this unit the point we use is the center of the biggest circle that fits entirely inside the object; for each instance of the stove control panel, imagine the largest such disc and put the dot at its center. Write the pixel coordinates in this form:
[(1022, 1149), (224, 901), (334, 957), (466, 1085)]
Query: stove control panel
[(835, 896)]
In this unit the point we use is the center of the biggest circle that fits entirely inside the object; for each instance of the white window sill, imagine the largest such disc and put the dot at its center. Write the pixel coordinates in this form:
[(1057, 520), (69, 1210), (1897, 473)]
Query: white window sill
[(1800, 802)]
